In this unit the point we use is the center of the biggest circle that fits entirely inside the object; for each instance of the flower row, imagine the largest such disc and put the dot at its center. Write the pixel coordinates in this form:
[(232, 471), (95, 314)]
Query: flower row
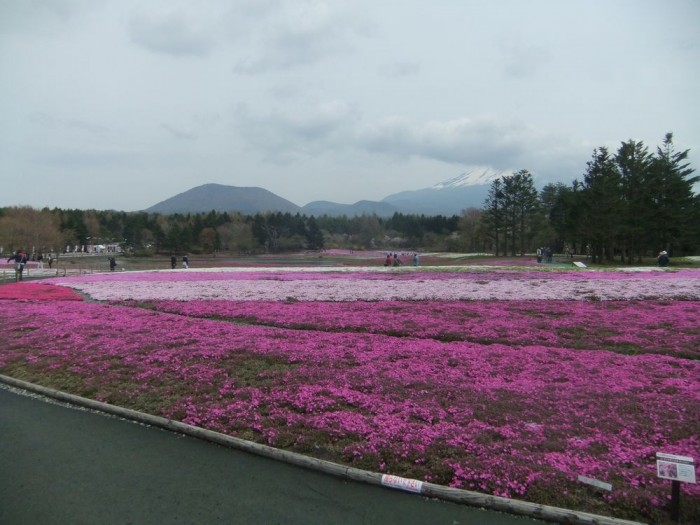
[(379, 286), (631, 327), (459, 413)]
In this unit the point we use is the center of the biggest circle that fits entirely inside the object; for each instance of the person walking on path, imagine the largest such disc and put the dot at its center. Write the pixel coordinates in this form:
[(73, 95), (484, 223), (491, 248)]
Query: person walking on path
[(20, 259)]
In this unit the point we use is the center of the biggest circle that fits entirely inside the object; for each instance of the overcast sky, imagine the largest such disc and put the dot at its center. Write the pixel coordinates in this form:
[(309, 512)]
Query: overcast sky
[(120, 104)]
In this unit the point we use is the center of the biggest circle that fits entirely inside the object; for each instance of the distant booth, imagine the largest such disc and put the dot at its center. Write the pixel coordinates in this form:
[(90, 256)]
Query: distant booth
[(94, 249)]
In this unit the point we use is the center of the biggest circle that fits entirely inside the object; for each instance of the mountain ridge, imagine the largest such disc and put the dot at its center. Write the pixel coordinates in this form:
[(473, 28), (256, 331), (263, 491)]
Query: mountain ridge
[(450, 197)]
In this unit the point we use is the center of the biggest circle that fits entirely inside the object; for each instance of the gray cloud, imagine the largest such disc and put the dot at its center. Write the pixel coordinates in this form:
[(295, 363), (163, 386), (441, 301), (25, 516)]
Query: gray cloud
[(178, 133), (298, 34), (283, 136), (500, 144), (82, 157), (50, 122), (459, 141), (401, 69), (357, 99), (522, 59), (171, 34), (38, 15)]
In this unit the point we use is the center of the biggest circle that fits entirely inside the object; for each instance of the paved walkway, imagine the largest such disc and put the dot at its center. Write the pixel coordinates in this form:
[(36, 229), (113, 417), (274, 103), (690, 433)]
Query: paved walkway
[(61, 465)]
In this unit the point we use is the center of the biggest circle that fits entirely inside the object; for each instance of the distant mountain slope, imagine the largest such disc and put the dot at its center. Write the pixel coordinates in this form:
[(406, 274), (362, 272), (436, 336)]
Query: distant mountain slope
[(431, 201), (224, 198), (467, 190)]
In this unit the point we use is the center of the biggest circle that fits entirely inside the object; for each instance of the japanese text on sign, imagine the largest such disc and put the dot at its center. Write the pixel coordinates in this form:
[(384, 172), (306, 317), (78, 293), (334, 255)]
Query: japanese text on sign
[(678, 468), (411, 485)]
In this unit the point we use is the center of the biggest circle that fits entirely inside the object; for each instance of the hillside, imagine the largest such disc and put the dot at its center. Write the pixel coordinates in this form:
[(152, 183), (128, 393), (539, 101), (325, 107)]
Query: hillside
[(450, 197), (224, 198)]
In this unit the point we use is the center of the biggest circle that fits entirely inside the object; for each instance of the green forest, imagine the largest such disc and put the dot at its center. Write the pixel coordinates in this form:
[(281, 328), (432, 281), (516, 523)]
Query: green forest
[(628, 204)]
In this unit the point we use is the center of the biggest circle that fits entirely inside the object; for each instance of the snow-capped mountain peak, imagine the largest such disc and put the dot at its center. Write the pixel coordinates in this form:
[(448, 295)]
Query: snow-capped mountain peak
[(475, 176)]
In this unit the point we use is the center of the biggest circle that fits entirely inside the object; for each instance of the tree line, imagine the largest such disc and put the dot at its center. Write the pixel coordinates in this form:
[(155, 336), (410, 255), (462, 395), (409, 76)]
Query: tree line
[(141, 233), (629, 204)]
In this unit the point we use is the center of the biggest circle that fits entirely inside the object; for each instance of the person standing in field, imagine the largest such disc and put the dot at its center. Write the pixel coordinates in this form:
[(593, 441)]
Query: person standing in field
[(663, 259), (173, 261), (185, 262)]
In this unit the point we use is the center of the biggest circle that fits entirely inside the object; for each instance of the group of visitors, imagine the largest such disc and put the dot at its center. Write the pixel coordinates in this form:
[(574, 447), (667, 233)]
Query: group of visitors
[(185, 262), (393, 259), (544, 254)]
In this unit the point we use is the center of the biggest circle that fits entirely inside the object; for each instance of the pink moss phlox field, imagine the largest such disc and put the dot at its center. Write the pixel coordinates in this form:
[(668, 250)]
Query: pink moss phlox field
[(314, 285), (507, 382), (495, 418), (669, 327), (24, 291)]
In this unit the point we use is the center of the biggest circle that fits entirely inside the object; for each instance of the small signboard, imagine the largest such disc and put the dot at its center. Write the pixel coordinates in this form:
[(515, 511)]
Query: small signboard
[(410, 485), (677, 468), (579, 264), (595, 483)]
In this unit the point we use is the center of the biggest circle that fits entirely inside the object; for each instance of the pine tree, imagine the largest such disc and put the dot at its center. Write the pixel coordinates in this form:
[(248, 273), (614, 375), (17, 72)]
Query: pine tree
[(314, 235), (634, 162), (672, 215), (494, 216), (525, 203), (601, 203)]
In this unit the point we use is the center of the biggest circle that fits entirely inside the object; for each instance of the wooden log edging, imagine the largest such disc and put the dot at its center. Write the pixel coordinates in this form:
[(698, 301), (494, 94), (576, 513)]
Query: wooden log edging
[(466, 497)]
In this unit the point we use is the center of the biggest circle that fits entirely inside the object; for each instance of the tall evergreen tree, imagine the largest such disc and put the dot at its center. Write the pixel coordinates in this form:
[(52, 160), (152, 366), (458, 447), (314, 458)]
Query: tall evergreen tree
[(314, 235), (672, 213), (634, 162), (601, 204), (494, 213), (524, 200)]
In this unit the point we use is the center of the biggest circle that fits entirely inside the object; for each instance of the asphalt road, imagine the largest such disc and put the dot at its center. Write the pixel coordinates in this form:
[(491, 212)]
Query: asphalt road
[(62, 465)]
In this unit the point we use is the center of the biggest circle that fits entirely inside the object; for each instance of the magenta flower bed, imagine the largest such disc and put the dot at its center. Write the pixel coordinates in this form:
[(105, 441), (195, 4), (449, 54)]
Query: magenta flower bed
[(631, 327), (37, 292), (510, 396)]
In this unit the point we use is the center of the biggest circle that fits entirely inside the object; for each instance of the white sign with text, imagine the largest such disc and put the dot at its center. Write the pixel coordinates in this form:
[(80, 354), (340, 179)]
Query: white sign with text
[(411, 485), (677, 468)]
